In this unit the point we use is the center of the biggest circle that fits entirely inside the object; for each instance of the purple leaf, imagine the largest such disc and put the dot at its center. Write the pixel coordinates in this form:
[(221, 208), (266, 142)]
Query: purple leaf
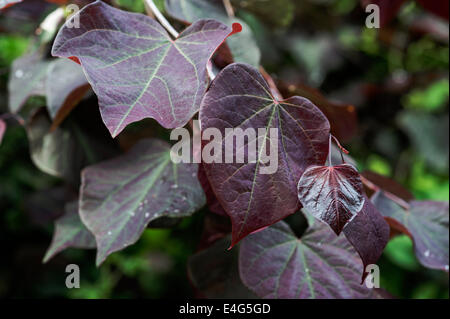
[(333, 194), (65, 86), (2, 129), (368, 232), (239, 98), (26, 80), (69, 232), (121, 196), (242, 46), (211, 199), (274, 263), (426, 222), (136, 69), (214, 272)]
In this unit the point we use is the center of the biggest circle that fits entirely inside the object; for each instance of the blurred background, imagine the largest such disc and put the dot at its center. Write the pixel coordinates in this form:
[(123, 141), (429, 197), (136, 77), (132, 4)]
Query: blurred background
[(395, 79)]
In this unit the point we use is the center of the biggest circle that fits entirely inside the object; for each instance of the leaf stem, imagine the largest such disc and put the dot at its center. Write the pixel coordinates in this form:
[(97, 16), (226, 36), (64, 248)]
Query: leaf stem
[(228, 8), (166, 24), (391, 196)]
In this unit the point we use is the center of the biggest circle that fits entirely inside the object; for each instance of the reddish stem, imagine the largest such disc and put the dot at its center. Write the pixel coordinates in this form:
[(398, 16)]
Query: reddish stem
[(391, 196), (273, 88)]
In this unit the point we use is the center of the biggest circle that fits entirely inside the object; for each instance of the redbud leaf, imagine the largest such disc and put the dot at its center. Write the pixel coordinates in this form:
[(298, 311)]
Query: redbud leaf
[(136, 69), (65, 86), (239, 98), (426, 222), (120, 197)]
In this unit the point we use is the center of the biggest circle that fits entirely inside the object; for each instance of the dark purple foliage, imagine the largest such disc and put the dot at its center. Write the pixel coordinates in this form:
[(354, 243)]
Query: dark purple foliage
[(333, 194)]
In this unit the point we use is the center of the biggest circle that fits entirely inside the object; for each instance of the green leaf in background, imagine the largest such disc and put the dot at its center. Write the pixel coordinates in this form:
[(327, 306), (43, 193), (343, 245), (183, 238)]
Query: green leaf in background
[(433, 98), (426, 185)]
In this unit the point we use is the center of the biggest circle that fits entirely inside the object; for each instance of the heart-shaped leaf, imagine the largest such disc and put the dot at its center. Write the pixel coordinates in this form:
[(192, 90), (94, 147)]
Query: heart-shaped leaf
[(243, 45), (65, 86), (69, 232), (136, 69), (426, 222), (368, 232), (274, 263), (224, 281), (211, 199), (121, 196), (239, 98), (333, 194), (26, 79)]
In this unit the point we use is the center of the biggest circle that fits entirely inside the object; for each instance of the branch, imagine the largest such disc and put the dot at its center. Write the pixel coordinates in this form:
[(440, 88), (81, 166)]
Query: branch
[(166, 24), (228, 8), (391, 196)]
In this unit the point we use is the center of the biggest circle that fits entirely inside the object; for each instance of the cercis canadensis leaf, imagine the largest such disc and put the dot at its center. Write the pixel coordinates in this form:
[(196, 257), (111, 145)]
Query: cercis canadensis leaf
[(239, 98), (27, 79), (120, 197), (333, 194), (426, 222), (214, 272), (368, 232), (274, 263), (136, 69), (69, 232)]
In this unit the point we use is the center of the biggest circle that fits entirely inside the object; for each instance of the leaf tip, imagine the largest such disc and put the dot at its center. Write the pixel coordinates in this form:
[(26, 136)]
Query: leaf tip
[(237, 28)]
